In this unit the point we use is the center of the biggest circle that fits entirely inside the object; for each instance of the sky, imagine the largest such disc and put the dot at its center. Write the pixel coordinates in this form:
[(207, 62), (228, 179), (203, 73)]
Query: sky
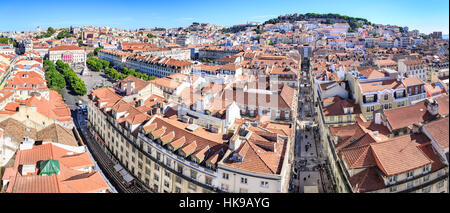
[(19, 15)]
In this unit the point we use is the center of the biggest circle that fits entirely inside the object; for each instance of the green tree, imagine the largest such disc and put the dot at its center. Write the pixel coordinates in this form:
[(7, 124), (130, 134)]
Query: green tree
[(150, 35), (4, 40), (96, 50)]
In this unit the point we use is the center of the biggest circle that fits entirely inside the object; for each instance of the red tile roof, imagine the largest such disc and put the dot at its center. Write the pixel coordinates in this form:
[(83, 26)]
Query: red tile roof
[(439, 131)]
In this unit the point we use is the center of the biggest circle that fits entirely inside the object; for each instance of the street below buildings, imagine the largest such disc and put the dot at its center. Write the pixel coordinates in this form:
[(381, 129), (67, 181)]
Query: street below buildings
[(104, 161), (308, 165), (92, 80)]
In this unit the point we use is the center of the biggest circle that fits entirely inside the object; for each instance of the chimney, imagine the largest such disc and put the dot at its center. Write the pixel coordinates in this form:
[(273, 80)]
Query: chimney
[(378, 118), (432, 107), (139, 103), (235, 142), (130, 87), (240, 134), (415, 128), (27, 143)]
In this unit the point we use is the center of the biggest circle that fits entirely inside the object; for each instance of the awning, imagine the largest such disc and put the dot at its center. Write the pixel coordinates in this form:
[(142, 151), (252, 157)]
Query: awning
[(123, 172), (128, 178), (118, 167)]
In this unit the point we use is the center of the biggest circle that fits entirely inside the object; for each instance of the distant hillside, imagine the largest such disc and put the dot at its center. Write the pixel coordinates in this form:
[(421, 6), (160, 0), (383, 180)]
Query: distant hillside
[(329, 18)]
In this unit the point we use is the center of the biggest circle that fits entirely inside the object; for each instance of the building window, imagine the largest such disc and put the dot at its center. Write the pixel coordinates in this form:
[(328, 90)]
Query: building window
[(264, 184), (386, 97), (180, 169), (166, 184), (225, 176), (158, 156), (177, 190), (426, 178), (193, 174), (244, 180), (192, 186), (155, 176), (410, 174), (156, 167), (440, 184), (167, 173), (409, 185), (393, 179), (393, 189), (426, 168), (178, 180), (147, 171), (426, 189), (208, 181)]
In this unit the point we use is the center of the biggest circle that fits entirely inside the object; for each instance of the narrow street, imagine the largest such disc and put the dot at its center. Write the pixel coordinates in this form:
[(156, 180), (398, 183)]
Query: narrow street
[(106, 164), (308, 175)]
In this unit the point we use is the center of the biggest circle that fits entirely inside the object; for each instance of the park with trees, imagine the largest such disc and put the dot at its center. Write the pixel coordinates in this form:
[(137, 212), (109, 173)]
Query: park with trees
[(59, 76)]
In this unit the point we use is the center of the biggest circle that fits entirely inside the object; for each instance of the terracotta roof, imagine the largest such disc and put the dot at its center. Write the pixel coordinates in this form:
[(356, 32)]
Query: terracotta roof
[(443, 105), (184, 138), (367, 180), (412, 81), (65, 47), (405, 116), (381, 85), (401, 154), (438, 130), (257, 159), (69, 179), (337, 108)]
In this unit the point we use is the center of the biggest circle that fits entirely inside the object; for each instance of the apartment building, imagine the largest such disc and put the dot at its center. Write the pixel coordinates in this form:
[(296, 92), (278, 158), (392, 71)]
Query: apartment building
[(70, 54), (116, 58), (257, 159), (416, 90), (215, 53), (400, 120), (169, 155), (338, 111), (152, 66), (413, 68), (372, 161), (380, 95)]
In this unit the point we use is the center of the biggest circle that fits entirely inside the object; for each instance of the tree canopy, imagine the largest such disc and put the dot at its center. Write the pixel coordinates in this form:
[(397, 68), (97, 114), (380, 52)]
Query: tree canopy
[(64, 34), (50, 32), (78, 85), (5, 40), (329, 18), (103, 65)]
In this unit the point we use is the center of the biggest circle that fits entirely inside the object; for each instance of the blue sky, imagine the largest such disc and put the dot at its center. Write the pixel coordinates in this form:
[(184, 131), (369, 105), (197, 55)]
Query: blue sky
[(426, 16)]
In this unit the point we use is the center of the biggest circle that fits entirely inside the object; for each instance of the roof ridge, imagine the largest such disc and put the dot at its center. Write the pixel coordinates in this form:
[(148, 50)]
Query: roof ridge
[(256, 152)]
